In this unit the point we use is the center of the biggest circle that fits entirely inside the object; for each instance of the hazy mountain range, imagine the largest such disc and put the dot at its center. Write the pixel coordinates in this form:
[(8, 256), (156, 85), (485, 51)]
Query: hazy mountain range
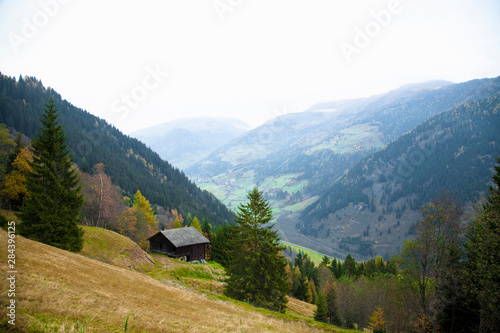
[(342, 177), (300, 159), (183, 142)]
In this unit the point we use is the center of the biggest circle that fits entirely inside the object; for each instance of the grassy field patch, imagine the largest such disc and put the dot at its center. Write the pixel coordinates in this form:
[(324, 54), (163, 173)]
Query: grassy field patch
[(315, 256), (301, 205)]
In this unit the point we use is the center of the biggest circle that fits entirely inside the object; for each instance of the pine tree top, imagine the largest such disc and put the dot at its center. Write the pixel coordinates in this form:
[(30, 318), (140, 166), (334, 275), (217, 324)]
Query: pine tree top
[(257, 211)]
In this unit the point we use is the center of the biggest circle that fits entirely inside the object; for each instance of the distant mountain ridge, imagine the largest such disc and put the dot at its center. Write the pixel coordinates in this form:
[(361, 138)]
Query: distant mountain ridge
[(302, 153), (370, 209), (427, 85), (297, 158), (183, 142)]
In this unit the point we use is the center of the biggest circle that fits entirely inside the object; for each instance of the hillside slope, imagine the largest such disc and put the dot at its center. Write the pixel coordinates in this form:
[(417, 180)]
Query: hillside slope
[(130, 164), (112, 248), (371, 208), (61, 291)]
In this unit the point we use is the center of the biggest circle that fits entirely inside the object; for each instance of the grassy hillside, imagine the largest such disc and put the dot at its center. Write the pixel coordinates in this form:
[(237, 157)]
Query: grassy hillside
[(112, 248), (61, 291)]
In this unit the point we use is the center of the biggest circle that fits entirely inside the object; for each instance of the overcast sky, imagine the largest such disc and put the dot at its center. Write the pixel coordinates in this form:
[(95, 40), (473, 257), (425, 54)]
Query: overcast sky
[(139, 63)]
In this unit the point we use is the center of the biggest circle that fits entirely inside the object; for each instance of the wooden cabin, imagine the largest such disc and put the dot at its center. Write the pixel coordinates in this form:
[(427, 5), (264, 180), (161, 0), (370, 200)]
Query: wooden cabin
[(182, 243)]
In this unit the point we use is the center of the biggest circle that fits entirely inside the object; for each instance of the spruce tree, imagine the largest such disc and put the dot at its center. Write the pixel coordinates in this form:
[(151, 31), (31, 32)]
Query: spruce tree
[(483, 254), (257, 268), (332, 304), (206, 228), (221, 245), (51, 211), (321, 312)]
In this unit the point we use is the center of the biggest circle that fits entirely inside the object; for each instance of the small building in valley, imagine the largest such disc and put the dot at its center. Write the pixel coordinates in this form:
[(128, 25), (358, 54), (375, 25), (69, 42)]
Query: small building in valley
[(182, 243)]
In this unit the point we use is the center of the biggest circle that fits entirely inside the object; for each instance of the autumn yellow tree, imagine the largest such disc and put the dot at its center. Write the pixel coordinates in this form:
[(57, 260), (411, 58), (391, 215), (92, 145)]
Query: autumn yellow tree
[(6, 146), (177, 223), (196, 224), (377, 321), (289, 275), (127, 223), (14, 187), (296, 278), (175, 216), (147, 224), (309, 292)]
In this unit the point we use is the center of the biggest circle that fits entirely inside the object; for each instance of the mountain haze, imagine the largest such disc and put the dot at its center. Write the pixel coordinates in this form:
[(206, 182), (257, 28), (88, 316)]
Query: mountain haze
[(296, 156), (183, 142), (342, 177), (297, 159)]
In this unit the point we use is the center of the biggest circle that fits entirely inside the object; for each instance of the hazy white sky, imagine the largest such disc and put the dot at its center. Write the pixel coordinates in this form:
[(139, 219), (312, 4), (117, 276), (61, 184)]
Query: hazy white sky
[(139, 63)]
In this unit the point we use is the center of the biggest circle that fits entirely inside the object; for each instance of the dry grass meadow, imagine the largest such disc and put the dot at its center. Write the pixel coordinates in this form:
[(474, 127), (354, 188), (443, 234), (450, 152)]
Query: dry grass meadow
[(59, 291)]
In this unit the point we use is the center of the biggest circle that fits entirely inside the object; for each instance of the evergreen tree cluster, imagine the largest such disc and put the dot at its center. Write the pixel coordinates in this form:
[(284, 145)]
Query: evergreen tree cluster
[(307, 274), (221, 244)]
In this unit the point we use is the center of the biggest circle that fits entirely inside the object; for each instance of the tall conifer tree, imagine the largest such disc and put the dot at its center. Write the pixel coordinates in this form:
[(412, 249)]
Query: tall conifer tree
[(321, 312), (51, 212), (257, 268), (483, 253)]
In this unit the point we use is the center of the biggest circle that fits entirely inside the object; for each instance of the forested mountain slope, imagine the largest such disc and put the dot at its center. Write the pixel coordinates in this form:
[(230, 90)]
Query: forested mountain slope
[(296, 157), (370, 209), (129, 162)]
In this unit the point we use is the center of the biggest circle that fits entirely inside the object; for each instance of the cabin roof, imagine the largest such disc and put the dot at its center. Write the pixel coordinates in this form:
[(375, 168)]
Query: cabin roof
[(184, 236)]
